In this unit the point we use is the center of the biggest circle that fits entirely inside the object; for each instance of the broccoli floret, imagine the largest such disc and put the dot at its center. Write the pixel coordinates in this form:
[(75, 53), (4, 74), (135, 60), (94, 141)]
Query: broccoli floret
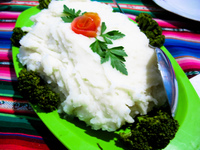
[(44, 4), (151, 29), (16, 36), (157, 41), (33, 88), (150, 132)]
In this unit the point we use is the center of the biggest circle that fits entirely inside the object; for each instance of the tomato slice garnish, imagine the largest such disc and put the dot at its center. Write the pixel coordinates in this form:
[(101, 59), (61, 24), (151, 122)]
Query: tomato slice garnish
[(86, 24), (94, 16)]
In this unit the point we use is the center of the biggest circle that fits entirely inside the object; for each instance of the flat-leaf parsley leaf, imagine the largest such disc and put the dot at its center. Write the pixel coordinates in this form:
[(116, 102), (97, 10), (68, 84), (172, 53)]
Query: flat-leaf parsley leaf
[(115, 54), (114, 34), (99, 47), (71, 14)]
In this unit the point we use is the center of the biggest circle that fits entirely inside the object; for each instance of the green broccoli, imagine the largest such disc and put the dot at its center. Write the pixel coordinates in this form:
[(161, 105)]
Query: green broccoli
[(151, 29), (44, 4), (150, 132), (33, 88), (16, 36)]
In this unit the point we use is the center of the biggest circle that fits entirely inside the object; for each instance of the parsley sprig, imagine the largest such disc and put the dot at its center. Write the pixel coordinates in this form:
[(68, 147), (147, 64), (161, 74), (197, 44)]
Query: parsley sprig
[(115, 54), (71, 14)]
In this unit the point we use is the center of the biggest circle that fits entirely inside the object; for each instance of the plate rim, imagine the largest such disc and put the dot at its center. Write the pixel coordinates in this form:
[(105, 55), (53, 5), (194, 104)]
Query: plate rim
[(168, 7)]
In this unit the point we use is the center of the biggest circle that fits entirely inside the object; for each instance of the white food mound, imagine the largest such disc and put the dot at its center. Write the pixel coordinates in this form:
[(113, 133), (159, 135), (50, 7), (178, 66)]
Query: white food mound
[(96, 93)]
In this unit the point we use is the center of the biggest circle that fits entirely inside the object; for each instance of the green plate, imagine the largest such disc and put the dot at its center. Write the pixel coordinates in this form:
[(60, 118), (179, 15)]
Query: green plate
[(75, 135)]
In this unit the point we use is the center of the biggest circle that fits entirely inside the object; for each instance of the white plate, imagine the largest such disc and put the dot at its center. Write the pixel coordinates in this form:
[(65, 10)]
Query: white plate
[(186, 8)]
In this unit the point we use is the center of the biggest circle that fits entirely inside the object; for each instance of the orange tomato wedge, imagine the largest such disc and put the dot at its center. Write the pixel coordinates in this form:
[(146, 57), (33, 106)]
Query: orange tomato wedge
[(86, 24), (94, 16)]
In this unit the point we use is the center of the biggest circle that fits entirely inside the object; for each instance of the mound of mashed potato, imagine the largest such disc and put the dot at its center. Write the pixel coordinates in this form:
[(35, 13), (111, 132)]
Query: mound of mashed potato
[(96, 93)]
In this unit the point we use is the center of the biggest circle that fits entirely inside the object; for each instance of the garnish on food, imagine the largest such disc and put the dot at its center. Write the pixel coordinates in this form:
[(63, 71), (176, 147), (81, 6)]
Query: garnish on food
[(115, 54), (71, 14), (152, 131), (86, 24), (151, 29), (16, 36), (37, 91), (82, 23)]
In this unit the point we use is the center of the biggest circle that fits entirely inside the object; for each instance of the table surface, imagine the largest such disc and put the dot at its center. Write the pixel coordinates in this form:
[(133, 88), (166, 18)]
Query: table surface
[(20, 128)]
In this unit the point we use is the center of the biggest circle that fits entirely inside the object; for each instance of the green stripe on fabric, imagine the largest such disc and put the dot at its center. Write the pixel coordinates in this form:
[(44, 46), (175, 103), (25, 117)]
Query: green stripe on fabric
[(13, 7), (154, 10), (131, 2), (9, 89), (14, 129), (20, 116), (18, 124), (30, 126), (9, 93), (135, 2)]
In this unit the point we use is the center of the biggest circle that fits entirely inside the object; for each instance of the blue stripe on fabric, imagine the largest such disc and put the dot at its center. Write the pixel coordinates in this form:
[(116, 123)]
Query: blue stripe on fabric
[(181, 43), (5, 35), (180, 51), (179, 48), (22, 135), (5, 43)]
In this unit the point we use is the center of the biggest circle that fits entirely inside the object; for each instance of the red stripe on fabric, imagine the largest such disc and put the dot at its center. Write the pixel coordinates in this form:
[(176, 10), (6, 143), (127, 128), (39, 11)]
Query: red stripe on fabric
[(24, 143), (189, 64), (9, 111), (162, 23), (7, 26), (18, 4), (15, 106), (172, 24), (15, 147), (18, 112), (9, 15), (12, 99), (25, 3), (167, 23), (186, 36), (7, 73), (15, 111), (5, 55)]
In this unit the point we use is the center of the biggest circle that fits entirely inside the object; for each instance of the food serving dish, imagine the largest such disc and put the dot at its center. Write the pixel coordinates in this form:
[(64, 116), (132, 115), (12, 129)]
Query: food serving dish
[(75, 135), (188, 9)]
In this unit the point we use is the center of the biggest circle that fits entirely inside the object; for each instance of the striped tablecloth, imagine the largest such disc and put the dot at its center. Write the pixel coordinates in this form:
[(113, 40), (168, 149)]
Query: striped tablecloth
[(20, 128)]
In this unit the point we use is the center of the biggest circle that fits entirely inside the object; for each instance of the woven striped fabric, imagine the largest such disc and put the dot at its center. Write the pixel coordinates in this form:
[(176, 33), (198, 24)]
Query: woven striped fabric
[(20, 128)]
